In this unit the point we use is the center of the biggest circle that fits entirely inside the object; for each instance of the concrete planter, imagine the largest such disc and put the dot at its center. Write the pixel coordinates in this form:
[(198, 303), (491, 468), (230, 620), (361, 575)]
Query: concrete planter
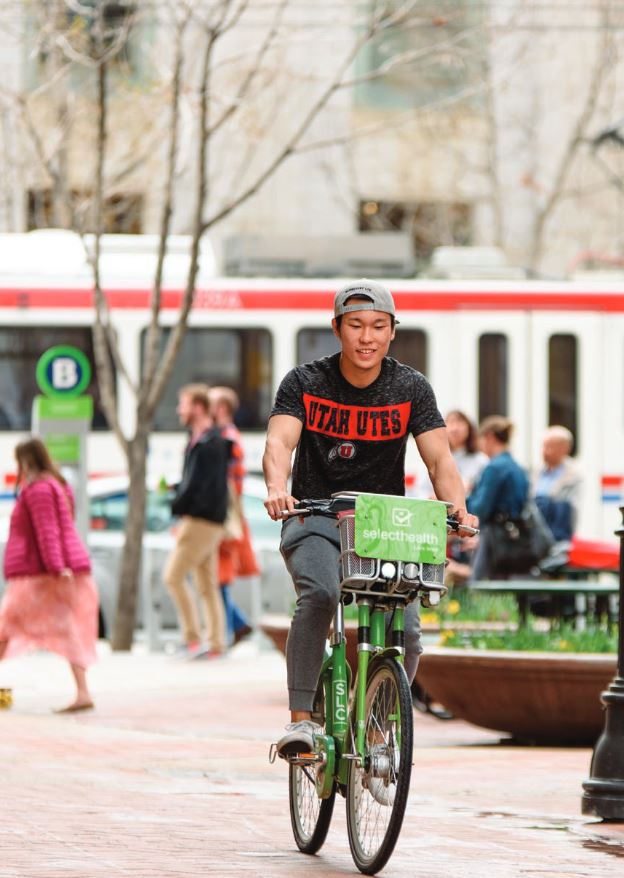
[(545, 698), (542, 698)]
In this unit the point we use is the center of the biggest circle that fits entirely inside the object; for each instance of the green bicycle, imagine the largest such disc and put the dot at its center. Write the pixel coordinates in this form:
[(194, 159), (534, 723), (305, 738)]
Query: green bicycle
[(365, 749)]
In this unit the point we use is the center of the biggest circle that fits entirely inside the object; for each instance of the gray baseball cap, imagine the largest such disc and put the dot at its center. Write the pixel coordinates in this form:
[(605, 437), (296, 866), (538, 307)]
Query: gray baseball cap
[(379, 296)]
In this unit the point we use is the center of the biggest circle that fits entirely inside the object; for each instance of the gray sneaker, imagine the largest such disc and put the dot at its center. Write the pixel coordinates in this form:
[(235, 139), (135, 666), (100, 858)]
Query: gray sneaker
[(299, 738)]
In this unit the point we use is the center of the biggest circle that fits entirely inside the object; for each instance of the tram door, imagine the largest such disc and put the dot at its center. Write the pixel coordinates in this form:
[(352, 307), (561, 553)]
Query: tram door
[(567, 361), (496, 373), (612, 424)]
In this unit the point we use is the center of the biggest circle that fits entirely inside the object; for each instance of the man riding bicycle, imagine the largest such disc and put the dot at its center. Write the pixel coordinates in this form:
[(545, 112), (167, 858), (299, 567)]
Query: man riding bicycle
[(348, 418)]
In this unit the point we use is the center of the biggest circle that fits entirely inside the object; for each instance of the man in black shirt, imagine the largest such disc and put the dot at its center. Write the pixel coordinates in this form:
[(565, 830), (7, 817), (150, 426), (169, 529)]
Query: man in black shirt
[(201, 501), (347, 418)]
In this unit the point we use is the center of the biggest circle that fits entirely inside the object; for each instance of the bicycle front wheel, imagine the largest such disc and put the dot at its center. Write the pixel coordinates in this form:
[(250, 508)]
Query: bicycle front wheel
[(377, 789), (310, 816)]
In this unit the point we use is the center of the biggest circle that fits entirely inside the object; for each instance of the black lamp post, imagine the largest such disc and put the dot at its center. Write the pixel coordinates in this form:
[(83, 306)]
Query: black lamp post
[(604, 791)]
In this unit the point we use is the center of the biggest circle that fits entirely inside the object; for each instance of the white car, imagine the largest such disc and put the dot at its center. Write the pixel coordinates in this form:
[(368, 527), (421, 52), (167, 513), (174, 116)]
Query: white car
[(108, 508)]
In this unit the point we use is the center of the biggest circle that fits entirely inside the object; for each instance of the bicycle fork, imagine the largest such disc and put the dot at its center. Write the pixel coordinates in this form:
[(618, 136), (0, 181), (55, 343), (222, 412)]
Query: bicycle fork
[(371, 640)]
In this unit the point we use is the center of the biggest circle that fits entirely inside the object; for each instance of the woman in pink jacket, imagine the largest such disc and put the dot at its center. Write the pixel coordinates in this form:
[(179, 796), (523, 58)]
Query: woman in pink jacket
[(51, 601)]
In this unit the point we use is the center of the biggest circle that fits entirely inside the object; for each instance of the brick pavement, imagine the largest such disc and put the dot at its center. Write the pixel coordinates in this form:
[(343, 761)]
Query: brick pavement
[(169, 778)]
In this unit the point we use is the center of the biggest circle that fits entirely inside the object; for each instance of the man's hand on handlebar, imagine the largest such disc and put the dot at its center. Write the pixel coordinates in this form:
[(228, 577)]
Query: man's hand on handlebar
[(465, 521), (278, 503)]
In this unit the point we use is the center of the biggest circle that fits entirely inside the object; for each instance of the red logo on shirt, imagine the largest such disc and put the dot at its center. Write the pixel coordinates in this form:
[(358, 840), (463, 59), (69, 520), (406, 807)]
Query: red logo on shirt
[(345, 450), (356, 422)]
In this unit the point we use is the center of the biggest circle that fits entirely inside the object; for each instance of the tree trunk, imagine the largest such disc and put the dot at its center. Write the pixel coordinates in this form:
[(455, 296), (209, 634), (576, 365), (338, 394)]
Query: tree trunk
[(130, 571)]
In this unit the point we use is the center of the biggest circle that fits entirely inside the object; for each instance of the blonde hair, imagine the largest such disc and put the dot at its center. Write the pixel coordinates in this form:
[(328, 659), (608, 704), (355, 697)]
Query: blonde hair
[(199, 394), (225, 395), (498, 426)]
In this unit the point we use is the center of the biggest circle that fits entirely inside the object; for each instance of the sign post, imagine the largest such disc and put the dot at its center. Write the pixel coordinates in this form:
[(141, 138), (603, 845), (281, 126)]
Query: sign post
[(62, 417)]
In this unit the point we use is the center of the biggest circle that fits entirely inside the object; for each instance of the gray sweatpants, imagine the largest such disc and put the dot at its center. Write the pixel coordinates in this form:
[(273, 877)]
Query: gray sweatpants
[(311, 550)]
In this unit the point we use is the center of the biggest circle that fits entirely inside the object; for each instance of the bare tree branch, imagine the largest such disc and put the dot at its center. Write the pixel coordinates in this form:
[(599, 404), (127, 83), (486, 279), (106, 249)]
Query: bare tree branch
[(176, 336), (252, 72), (577, 137), (103, 337), (153, 334), (294, 139)]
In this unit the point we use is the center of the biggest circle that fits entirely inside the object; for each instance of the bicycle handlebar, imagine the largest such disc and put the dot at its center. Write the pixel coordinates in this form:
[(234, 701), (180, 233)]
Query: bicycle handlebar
[(331, 507)]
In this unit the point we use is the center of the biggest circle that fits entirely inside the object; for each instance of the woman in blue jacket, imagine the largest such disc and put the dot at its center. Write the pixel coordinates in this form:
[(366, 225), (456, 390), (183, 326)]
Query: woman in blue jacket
[(501, 491)]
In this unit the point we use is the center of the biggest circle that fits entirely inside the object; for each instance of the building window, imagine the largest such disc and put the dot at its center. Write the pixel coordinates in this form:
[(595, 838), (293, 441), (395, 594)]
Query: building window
[(65, 39), (237, 358), (493, 374), (436, 51), (122, 213), (430, 224), (86, 29), (563, 382), (409, 346), (20, 348)]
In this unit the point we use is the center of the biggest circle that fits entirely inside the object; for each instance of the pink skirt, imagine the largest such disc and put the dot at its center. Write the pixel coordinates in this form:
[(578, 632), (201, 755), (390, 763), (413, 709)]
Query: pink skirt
[(52, 613)]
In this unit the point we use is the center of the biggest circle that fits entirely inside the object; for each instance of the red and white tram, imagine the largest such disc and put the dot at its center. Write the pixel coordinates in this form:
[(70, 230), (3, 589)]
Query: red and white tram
[(538, 352)]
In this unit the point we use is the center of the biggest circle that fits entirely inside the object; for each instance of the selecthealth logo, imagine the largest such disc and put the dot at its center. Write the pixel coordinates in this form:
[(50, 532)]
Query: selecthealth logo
[(401, 518), (401, 536)]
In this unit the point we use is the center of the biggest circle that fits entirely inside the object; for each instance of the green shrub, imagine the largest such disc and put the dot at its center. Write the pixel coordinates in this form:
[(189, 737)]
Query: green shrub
[(562, 638)]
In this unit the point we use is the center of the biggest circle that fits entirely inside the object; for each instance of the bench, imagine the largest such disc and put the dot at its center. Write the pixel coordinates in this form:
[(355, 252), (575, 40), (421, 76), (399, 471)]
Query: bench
[(524, 589)]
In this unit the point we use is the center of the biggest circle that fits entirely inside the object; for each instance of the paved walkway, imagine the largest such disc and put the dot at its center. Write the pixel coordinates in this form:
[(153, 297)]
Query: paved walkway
[(169, 778)]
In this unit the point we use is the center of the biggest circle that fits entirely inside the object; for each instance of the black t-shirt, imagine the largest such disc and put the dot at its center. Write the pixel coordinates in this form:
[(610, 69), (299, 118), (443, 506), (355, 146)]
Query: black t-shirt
[(354, 438)]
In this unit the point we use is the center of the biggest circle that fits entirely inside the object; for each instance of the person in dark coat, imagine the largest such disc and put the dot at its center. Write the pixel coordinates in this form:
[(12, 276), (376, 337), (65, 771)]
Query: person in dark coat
[(201, 502)]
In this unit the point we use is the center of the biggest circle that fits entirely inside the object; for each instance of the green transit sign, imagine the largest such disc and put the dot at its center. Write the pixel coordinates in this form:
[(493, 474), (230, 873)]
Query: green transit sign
[(63, 372), (63, 448), (72, 409), (400, 529)]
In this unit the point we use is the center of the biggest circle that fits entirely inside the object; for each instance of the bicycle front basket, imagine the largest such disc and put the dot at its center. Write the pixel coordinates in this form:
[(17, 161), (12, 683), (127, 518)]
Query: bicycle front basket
[(356, 571)]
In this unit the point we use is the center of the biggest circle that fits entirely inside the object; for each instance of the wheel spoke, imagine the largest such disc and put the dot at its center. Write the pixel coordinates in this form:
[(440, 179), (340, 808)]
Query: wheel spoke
[(310, 816), (377, 788)]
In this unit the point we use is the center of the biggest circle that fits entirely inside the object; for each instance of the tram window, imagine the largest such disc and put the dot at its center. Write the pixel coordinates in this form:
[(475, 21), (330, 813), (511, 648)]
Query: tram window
[(20, 348), (409, 346), (493, 370), (237, 358), (315, 343), (562, 382)]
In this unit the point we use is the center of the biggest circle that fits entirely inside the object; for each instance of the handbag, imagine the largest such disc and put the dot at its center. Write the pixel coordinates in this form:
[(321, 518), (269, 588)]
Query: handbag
[(233, 524), (516, 545)]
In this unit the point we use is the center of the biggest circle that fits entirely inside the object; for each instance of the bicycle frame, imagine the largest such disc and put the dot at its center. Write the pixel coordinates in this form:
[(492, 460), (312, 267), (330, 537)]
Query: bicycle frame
[(336, 744)]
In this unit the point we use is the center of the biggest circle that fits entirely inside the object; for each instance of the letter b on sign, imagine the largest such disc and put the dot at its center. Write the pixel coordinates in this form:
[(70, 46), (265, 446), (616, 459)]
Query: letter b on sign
[(64, 373)]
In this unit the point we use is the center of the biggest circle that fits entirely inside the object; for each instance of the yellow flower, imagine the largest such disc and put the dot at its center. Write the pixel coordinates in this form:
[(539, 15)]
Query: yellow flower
[(429, 618), (447, 637), (564, 644), (453, 607)]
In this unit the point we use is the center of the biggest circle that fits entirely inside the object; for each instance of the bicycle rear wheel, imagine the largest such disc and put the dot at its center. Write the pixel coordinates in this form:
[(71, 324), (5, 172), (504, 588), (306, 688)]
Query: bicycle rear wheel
[(310, 816), (377, 790)]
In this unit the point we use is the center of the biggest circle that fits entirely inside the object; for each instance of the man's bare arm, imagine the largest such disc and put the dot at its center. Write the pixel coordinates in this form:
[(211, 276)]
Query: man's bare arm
[(445, 478), (283, 435)]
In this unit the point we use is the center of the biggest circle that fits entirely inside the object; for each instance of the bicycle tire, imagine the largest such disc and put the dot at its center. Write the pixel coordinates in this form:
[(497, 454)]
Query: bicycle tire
[(373, 825), (310, 816)]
